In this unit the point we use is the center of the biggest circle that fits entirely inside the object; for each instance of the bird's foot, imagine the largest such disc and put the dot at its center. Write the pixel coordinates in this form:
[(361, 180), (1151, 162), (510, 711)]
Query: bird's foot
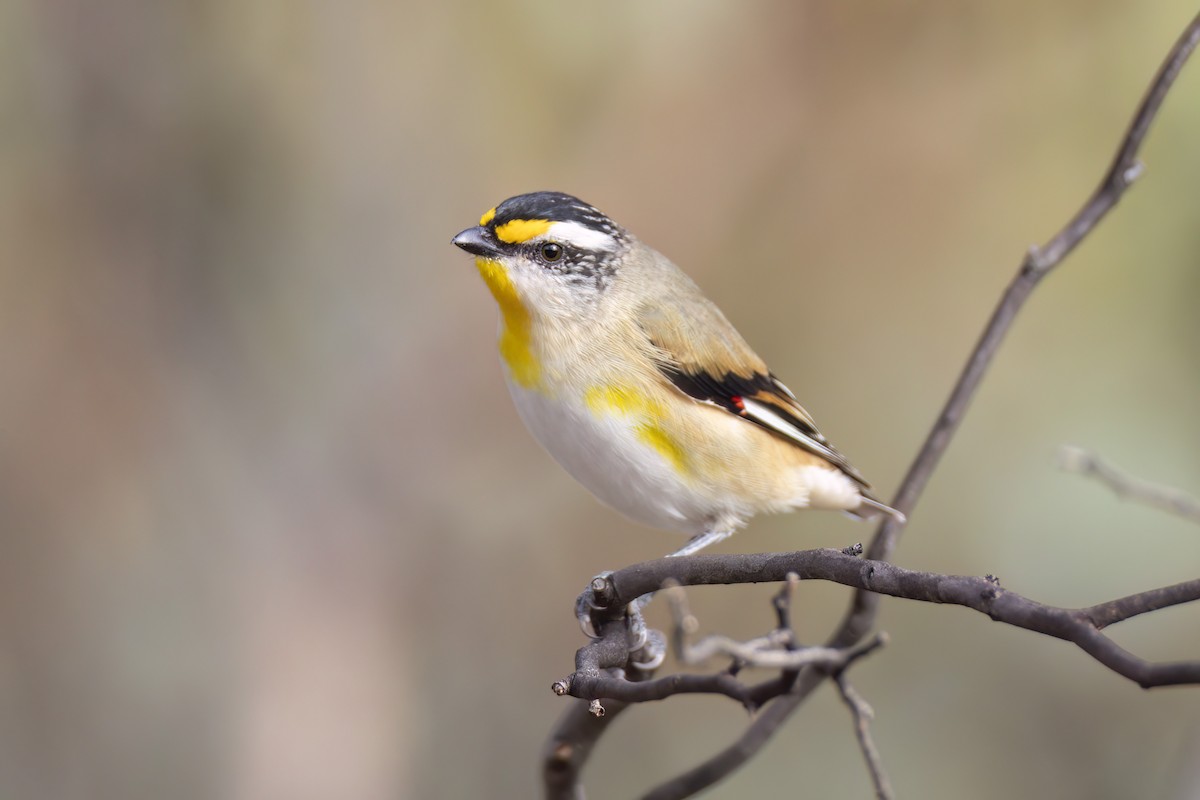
[(587, 603), (650, 646)]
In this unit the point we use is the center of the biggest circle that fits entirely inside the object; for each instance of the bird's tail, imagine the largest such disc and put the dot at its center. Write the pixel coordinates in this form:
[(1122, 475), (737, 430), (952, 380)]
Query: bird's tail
[(871, 507)]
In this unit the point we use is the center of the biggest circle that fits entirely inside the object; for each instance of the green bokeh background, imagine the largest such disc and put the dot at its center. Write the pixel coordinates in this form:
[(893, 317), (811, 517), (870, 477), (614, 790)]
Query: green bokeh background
[(269, 524)]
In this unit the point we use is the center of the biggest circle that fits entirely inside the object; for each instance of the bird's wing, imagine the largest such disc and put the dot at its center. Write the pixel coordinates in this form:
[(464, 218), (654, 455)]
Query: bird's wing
[(704, 356)]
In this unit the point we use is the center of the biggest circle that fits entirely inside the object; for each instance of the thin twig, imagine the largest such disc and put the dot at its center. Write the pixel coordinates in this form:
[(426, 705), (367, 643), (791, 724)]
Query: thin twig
[(776, 650), (607, 688), (1128, 487), (1123, 608), (863, 715)]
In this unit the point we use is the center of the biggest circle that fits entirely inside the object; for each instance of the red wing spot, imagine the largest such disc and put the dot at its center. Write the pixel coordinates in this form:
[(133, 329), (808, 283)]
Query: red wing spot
[(737, 401)]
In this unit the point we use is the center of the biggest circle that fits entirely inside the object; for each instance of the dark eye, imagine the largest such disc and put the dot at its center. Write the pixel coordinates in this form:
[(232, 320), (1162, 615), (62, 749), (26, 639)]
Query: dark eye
[(550, 251)]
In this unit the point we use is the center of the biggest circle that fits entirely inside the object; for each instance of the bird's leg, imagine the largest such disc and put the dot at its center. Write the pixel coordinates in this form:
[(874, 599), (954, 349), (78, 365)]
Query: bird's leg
[(701, 541), (640, 636)]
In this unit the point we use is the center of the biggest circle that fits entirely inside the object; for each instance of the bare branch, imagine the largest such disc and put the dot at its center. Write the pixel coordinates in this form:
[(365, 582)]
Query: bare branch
[(863, 714), (570, 746), (1128, 487), (1081, 626), (1114, 611), (777, 650)]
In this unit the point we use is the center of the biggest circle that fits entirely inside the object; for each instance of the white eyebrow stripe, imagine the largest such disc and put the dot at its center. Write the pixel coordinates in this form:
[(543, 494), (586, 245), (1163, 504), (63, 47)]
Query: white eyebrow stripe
[(580, 236)]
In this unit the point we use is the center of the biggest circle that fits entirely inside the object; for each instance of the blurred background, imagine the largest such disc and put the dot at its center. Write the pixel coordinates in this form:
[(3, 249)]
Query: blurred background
[(270, 527)]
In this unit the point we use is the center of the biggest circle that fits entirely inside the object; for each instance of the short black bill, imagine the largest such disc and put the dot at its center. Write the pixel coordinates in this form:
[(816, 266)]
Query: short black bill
[(477, 241)]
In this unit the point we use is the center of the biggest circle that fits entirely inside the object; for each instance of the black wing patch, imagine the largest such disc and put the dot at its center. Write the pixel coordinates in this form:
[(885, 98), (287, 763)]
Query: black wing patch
[(764, 401), (730, 390)]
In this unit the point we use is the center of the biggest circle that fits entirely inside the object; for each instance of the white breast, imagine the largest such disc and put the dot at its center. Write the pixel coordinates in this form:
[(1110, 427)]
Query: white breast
[(604, 453)]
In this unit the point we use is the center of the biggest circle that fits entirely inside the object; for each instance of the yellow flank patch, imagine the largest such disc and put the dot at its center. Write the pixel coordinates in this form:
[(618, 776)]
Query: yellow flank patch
[(522, 230), (665, 444), (619, 400), (488, 216), (516, 338), (626, 402)]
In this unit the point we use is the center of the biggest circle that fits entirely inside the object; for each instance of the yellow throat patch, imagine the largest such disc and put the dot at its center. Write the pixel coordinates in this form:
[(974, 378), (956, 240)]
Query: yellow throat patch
[(516, 338), (649, 414)]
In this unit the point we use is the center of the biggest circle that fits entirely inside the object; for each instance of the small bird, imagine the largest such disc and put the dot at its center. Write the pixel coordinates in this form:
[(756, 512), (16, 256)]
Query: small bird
[(639, 386)]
